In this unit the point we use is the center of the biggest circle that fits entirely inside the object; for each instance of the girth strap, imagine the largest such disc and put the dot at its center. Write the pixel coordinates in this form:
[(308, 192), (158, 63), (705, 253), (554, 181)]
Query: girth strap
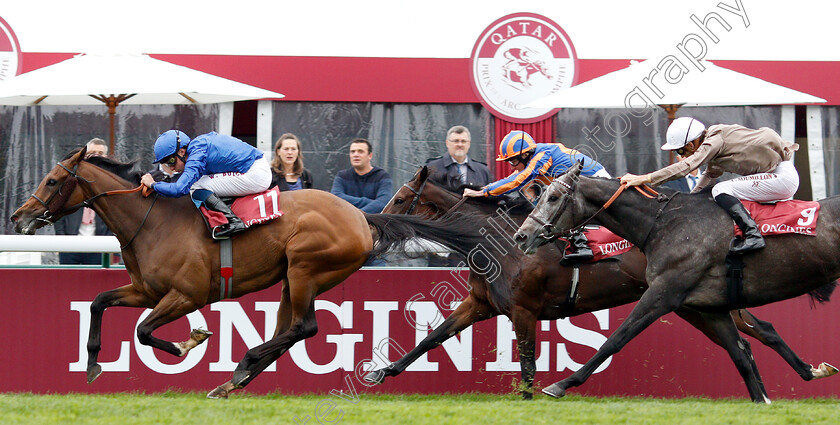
[(226, 272)]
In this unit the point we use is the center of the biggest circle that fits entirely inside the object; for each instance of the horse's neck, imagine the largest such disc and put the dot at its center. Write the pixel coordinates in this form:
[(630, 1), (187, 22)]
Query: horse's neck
[(629, 216), (122, 213)]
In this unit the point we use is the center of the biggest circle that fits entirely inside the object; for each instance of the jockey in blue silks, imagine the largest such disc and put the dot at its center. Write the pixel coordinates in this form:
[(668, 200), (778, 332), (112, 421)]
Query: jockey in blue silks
[(211, 165), (542, 162)]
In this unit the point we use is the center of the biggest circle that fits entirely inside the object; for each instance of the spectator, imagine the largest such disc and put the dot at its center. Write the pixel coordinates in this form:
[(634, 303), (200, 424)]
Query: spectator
[(456, 164), (84, 221), (287, 171), (367, 187), (211, 165)]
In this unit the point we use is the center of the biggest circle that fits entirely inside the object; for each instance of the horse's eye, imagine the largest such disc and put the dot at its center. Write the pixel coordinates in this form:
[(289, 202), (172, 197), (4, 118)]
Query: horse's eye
[(51, 182), (398, 201), (553, 198)]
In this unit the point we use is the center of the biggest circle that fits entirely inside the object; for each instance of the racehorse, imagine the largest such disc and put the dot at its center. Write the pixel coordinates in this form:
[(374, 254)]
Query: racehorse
[(174, 265), (539, 288), (686, 240)]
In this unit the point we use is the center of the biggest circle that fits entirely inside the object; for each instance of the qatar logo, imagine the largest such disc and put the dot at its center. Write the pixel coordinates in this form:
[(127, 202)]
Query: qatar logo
[(518, 59), (9, 52)]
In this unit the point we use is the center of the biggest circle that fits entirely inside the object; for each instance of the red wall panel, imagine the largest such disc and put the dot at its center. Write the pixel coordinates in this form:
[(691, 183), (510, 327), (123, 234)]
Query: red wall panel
[(42, 311)]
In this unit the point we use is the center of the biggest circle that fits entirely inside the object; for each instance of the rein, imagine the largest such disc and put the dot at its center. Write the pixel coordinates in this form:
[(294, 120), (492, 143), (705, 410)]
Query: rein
[(55, 203), (548, 227)]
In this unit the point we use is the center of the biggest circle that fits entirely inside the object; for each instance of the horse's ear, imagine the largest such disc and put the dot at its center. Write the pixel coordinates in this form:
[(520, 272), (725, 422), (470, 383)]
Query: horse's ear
[(424, 172), (579, 167), (81, 155)]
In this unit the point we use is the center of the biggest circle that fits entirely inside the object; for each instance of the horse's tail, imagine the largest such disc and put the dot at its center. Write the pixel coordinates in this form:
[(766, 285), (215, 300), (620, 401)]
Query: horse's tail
[(456, 231), (822, 294)]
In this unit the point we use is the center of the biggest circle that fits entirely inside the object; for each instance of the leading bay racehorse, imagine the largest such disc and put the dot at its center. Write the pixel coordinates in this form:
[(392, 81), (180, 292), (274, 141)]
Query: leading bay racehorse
[(686, 239), (538, 287), (174, 266)]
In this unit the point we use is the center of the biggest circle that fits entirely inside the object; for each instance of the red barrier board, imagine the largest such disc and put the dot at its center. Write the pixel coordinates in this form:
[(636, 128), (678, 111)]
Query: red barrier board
[(372, 316)]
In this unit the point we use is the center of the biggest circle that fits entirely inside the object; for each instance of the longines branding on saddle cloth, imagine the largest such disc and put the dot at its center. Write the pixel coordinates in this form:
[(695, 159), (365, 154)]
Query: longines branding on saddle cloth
[(9, 52), (520, 58)]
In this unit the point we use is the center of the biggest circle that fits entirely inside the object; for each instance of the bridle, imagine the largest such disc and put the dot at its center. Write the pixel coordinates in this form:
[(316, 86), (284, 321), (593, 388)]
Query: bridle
[(549, 232), (55, 203), (419, 191)]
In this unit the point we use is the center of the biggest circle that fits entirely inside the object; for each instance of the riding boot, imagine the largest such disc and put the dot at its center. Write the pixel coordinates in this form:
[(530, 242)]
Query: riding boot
[(752, 239), (580, 251), (235, 224)]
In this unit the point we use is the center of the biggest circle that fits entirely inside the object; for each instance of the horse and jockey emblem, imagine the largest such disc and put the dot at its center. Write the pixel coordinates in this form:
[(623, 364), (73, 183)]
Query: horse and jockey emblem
[(521, 64)]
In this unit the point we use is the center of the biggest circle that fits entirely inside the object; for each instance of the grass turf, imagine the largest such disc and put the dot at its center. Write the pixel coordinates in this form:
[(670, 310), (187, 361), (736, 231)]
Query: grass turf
[(193, 408)]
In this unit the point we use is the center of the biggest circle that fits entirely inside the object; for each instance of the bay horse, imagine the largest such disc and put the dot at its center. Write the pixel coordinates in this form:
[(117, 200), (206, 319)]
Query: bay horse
[(174, 265), (686, 240), (539, 288)]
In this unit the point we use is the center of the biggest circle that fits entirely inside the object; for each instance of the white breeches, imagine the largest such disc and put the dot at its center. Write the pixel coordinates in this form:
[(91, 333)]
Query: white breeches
[(602, 173), (779, 185), (255, 180)]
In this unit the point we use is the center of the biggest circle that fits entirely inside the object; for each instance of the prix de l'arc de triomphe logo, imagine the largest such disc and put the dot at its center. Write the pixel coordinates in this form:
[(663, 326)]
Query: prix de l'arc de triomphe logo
[(9, 52), (518, 59)]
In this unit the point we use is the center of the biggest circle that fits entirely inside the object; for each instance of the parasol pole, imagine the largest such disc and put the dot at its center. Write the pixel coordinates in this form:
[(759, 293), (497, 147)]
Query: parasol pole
[(112, 102), (671, 109)]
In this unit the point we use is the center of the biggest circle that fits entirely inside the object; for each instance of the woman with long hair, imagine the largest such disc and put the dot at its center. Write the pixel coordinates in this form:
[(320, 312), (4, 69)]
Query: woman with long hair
[(287, 168)]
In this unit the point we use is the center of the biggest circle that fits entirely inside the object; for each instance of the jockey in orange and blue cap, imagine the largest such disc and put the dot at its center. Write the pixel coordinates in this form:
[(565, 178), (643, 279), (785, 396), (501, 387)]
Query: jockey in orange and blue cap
[(543, 162)]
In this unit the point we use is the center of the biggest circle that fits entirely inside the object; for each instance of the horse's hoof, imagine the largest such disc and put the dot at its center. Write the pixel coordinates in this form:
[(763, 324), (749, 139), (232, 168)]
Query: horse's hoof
[(218, 393), (527, 395), (554, 390), (94, 371), (824, 370), (375, 377), (200, 335)]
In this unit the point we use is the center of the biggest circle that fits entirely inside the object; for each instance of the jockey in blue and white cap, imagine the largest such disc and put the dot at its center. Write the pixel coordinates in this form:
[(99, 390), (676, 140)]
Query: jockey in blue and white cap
[(211, 165)]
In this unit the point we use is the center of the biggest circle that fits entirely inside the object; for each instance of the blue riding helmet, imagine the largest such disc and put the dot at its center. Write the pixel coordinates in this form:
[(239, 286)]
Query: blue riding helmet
[(169, 143)]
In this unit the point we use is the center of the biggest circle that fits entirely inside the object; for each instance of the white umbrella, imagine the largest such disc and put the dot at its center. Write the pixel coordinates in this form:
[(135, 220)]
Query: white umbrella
[(715, 86), (114, 79)]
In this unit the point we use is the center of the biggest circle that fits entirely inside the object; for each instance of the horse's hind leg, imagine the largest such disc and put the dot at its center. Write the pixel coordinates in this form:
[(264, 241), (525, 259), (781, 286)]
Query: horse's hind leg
[(172, 306), (740, 353), (469, 312), (125, 296), (766, 333)]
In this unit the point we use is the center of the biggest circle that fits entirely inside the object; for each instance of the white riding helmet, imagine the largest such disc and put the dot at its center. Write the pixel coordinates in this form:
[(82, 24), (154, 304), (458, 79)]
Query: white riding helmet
[(682, 131)]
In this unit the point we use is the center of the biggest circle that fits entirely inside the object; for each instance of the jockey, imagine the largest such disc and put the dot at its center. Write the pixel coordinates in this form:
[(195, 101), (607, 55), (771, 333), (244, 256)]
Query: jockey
[(761, 157), (542, 161), (211, 165)]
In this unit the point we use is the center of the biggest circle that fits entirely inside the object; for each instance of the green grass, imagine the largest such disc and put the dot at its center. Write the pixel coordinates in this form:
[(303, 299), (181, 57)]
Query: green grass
[(193, 408)]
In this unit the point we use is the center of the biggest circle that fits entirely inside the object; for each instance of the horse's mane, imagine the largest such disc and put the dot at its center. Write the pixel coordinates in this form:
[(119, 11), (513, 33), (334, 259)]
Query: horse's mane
[(515, 204), (125, 170)]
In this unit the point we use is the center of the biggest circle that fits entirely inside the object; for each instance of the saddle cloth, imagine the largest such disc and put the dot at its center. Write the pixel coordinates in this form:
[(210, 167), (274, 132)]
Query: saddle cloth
[(253, 209), (784, 217), (604, 244)]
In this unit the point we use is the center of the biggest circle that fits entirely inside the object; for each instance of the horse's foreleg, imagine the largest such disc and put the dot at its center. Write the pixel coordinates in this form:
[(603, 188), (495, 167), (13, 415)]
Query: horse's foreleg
[(126, 296), (525, 326), (655, 303), (469, 312), (740, 353), (172, 306), (764, 332)]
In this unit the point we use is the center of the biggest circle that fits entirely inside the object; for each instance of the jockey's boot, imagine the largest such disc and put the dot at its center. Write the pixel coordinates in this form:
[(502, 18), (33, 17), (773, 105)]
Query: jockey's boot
[(752, 236), (580, 251), (235, 224)]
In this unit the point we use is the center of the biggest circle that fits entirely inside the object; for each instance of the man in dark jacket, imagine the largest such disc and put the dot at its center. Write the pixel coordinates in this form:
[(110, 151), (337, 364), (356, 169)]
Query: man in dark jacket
[(367, 187), (456, 164)]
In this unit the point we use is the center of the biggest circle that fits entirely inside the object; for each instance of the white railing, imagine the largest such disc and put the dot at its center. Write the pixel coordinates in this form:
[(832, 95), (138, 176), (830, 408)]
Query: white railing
[(52, 243)]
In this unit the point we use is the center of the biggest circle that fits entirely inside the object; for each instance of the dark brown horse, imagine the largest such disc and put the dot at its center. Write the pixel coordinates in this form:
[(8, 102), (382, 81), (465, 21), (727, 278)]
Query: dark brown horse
[(686, 240), (539, 287), (174, 266)]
